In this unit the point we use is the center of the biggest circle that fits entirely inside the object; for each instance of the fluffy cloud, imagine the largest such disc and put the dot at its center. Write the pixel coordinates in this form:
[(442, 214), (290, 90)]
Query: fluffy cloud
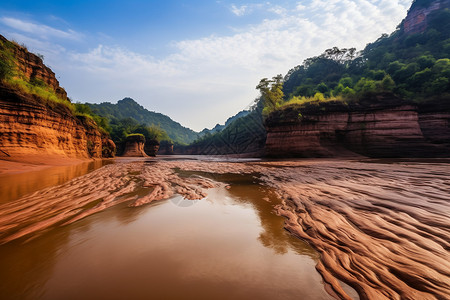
[(206, 80)]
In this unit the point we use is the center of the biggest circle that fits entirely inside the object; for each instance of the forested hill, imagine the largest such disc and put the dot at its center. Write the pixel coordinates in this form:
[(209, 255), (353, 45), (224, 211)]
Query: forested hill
[(128, 108), (412, 62)]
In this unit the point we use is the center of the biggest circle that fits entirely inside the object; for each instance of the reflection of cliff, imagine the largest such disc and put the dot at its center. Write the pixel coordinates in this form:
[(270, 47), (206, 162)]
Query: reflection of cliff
[(263, 201), (246, 190), (387, 127), (16, 185)]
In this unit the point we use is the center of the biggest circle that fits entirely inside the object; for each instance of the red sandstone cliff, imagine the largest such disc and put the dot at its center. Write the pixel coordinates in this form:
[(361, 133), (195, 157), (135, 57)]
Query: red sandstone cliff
[(30, 125), (416, 20), (388, 127), (134, 146)]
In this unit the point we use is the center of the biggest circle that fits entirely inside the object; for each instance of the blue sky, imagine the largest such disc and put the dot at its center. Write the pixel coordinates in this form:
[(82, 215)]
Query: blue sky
[(196, 61)]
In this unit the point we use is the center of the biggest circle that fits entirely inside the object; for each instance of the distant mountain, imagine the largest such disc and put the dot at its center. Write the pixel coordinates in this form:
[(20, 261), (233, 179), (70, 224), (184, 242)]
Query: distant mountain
[(219, 127), (128, 108), (242, 133)]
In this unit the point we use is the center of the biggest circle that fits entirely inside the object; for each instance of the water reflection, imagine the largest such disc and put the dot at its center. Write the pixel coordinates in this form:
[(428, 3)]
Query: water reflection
[(229, 245), (246, 189), (14, 186)]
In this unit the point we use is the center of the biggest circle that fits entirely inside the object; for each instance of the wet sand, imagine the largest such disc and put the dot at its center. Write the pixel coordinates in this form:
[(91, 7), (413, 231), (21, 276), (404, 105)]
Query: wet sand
[(382, 228)]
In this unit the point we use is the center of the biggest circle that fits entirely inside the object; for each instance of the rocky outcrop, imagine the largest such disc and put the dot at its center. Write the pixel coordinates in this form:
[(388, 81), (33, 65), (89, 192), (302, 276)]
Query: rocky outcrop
[(28, 127), (166, 148), (434, 121), (387, 127), (416, 20), (151, 147), (134, 146), (108, 147)]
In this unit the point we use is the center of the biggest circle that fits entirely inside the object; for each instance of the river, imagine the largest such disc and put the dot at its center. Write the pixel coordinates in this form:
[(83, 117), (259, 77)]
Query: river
[(227, 245), (203, 227)]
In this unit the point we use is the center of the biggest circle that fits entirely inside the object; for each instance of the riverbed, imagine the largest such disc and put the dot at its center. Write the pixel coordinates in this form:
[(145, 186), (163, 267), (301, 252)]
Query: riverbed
[(190, 227)]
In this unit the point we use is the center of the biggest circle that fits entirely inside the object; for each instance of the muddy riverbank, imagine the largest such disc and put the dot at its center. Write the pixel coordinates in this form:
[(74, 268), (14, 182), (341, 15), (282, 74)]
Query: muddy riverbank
[(381, 227)]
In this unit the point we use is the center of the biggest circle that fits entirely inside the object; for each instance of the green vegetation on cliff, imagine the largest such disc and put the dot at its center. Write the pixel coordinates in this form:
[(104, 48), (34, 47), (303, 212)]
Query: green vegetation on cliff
[(403, 66), (414, 66), (13, 77), (130, 109)]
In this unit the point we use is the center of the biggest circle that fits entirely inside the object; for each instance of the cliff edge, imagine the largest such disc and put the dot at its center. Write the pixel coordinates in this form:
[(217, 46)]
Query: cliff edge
[(36, 117), (381, 125)]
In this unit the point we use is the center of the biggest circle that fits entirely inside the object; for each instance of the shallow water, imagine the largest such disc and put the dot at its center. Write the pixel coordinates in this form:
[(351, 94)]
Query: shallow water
[(13, 186), (229, 245)]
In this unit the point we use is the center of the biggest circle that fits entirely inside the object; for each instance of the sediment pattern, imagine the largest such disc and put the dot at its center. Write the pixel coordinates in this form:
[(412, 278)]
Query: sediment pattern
[(136, 183), (384, 229)]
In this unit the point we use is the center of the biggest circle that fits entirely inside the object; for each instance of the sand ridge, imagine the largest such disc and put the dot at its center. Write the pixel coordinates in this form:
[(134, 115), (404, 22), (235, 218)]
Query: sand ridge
[(384, 229)]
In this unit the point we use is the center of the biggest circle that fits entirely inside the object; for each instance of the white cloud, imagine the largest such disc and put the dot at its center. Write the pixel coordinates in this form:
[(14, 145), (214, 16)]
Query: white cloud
[(39, 30), (207, 80), (239, 11), (300, 7)]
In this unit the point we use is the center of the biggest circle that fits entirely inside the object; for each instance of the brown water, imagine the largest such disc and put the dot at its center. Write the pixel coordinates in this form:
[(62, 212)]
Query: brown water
[(16, 185), (229, 245), (123, 231)]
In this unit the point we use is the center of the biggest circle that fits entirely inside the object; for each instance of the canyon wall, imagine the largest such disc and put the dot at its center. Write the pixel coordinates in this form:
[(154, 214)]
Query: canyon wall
[(30, 125), (416, 20), (388, 127)]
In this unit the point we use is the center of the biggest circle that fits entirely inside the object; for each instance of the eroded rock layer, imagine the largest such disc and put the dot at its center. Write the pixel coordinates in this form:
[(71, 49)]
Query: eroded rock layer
[(32, 125), (416, 20), (386, 128), (134, 146), (28, 127)]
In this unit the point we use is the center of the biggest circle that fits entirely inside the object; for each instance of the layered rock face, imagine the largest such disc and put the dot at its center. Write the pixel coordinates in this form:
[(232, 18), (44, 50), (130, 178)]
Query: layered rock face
[(134, 146), (416, 20), (30, 128), (387, 128)]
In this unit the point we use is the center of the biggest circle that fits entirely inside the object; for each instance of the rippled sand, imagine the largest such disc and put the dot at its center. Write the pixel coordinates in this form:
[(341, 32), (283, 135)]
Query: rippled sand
[(384, 229)]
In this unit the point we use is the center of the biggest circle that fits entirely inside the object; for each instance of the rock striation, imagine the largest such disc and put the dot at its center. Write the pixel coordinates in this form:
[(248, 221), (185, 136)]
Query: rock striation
[(134, 146), (416, 20), (30, 125), (380, 126), (30, 128)]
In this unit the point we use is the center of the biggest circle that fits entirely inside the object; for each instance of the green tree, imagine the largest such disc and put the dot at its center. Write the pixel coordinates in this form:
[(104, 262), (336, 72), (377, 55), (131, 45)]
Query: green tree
[(322, 88), (388, 84), (346, 81), (271, 93)]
